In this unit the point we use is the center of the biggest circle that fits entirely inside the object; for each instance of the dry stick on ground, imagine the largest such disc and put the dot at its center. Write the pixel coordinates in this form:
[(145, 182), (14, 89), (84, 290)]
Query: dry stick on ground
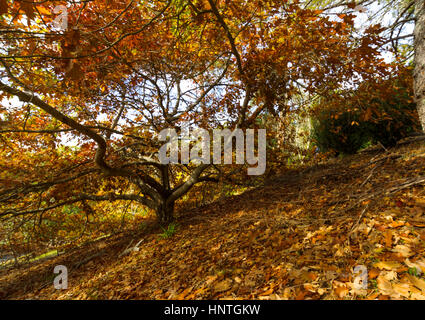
[(372, 161), (354, 226), (382, 146), (358, 221), (404, 185), (407, 184), (369, 176), (87, 259), (130, 249)]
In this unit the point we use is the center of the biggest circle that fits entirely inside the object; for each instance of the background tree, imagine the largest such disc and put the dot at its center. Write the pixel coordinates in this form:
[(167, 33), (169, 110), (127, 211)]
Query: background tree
[(404, 39), (420, 60)]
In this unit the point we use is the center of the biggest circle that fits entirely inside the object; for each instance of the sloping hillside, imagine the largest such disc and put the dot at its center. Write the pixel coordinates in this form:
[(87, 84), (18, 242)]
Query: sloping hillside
[(298, 237)]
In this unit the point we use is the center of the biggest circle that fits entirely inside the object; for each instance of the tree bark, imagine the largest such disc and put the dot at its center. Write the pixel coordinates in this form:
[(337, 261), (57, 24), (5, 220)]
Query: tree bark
[(419, 75), (165, 212)]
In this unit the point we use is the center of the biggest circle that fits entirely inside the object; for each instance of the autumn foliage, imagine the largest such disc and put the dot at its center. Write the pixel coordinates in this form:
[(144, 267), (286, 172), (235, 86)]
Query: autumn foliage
[(82, 103), (87, 86), (378, 111)]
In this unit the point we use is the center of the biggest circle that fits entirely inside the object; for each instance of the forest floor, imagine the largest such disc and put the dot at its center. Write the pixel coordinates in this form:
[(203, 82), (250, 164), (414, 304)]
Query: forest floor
[(300, 236)]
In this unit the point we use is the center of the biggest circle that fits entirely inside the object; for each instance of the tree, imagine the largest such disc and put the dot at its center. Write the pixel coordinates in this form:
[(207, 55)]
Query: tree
[(420, 60), (123, 71)]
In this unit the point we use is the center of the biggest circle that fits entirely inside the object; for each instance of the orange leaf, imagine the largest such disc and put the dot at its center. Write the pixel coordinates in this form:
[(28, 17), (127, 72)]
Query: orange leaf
[(341, 291), (267, 293), (44, 11), (373, 273), (388, 238), (396, 224)]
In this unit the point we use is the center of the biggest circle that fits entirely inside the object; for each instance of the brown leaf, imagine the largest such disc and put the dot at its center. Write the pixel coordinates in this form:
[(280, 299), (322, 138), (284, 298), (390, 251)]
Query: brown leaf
[(368, 114), (373, 296), (223, 285), (419, 265), (402, 289), (182, 295), (267, 293), (388, 238), (301, 295)]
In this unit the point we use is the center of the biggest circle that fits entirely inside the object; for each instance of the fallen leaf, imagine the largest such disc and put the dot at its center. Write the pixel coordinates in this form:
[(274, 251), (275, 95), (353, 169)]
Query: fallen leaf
[(419, 265), (341, 291), (301, 295), (211, 279), (396, 224), (403, 250), (418, 283), (385, 286), (387, 265), (373, 296), (388, 238), (389, 275), (267, 293), (402, 289), (373, 273), (223, 285)]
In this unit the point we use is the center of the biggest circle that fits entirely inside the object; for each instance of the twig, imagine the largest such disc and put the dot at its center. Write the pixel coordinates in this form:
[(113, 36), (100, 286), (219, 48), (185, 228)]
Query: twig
[(407, 184), (382, 146), (358, 220), (84, 261), (370, 175), (131, 249)]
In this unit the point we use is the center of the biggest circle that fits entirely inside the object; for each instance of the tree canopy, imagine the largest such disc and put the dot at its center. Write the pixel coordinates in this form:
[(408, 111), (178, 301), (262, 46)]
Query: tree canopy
[(83, 102)]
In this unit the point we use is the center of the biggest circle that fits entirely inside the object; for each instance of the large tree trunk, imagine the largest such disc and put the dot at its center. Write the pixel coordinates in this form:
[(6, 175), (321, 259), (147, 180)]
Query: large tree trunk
[(420, 60), (165, 212)]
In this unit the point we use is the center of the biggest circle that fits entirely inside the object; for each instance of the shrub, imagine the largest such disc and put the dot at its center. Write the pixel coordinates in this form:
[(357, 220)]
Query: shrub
[(380, 112), (397, 118), (339, 132)]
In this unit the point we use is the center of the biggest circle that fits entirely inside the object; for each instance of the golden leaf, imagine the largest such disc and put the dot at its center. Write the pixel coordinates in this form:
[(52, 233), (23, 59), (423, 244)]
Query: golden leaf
[(418, 283), (387, 265), (223, 285)]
